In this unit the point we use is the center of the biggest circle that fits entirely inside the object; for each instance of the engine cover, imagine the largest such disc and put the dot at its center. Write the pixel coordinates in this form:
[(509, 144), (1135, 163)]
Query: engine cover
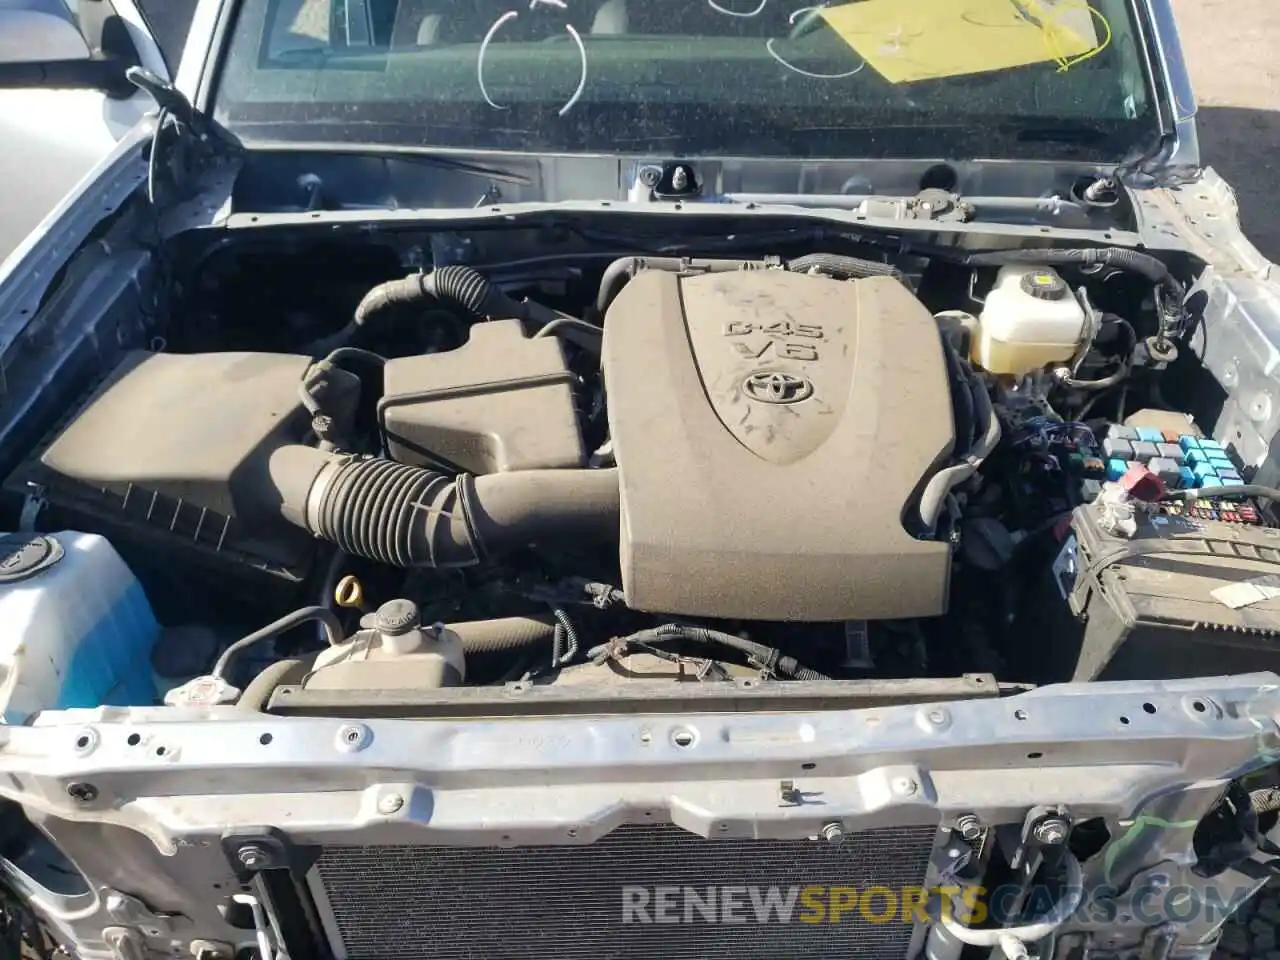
[(771, 431)]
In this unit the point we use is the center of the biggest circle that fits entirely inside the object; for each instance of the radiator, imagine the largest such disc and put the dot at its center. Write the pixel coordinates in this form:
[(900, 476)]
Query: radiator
[(567, 902)]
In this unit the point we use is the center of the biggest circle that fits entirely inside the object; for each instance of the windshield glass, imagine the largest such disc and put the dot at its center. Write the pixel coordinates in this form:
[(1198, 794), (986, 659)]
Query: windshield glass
[(751, 78)]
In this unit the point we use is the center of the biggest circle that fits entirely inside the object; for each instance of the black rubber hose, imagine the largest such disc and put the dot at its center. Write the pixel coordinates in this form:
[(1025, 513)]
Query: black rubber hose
[(407, 516), (1131, 261), (257, 693), (564, 640), (845, 268), (454, 284), (762, 655), (325, 616), (503, 634)]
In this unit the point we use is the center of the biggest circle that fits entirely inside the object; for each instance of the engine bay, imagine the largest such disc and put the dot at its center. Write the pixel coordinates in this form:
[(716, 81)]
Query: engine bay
[(582, 471)]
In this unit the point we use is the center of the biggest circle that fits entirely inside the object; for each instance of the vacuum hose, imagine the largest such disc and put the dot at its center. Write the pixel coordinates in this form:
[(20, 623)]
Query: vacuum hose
[(406, 516)]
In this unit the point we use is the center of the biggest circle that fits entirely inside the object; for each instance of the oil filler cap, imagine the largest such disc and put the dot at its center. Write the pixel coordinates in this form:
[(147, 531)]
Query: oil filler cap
[(396, 617), (1044, 285), (23, 556)]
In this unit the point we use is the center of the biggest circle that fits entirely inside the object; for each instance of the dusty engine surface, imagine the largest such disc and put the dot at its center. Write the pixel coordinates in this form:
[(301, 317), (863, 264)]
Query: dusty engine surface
[(771, 430)]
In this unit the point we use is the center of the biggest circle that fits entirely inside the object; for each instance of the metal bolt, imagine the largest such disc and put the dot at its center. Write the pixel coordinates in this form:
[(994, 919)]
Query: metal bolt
[(353, 736), (968, 826), (680, 179), (1052, 831), (833, 833), (82, 792), (650, 176), (904, 786), (390, 803), (937, 716), (252, 857)]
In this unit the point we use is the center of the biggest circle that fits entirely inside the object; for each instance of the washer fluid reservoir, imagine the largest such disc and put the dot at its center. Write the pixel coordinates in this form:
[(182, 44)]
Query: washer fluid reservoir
[(1031, 319), (76, 629)]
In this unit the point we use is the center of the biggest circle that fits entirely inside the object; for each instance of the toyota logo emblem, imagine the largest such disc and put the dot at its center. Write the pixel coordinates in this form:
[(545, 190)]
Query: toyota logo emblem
[(775, 387)]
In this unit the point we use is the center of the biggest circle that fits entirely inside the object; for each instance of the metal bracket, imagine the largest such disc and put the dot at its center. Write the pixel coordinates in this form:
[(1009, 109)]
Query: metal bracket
[(261, 927), (32, 504), (1044, 831), (677, 181), (266, 848), (277, 869), (125, 943), (126, 909)]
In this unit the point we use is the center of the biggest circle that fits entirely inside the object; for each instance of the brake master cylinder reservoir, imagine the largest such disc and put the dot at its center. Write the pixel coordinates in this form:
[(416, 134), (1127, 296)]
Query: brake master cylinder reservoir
[(1030, 319), (394, 651)]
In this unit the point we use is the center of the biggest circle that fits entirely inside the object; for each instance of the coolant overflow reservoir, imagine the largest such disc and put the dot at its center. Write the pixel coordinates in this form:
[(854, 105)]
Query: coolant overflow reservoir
[(394, 651), (1031, 319)]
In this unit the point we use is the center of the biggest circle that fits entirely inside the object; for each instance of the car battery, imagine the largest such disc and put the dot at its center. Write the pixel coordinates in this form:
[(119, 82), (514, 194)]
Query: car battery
[(1194, 592)]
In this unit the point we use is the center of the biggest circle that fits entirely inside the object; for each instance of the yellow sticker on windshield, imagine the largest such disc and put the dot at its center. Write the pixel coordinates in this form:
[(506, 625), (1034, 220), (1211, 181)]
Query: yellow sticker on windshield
[(909, 40)]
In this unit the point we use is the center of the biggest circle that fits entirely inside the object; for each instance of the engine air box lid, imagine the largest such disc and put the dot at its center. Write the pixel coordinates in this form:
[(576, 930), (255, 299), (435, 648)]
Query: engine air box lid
[(502, 401), (771, 431)]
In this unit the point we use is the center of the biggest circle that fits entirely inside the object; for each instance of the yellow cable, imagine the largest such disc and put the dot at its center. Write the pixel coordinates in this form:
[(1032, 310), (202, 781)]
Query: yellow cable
[(1051, 26)]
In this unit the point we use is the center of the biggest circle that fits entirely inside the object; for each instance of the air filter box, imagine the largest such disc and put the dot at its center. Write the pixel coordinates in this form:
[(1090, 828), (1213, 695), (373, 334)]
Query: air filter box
[(502, 401)]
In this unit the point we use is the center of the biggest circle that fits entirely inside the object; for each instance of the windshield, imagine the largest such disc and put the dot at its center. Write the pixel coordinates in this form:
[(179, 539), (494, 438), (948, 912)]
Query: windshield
[(753, 78)]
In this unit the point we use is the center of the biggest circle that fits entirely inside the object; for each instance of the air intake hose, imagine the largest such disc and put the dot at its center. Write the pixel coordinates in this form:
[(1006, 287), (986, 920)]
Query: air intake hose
[(407, 516), (455, 284)]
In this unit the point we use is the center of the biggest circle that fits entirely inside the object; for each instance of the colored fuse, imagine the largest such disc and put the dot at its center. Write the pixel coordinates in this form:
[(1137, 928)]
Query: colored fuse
[(1166, 469), (1118, 431), (1207, 444), (1204, 504), (1196, 457), (1210, 482), (1118, 448), (1116, 468), (1204, 474), (1186, 478), (1144, 451), (1172, 436), (1171, 451), (1189, 443), (1229, 476), (1221, 463), (1150, 435)]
